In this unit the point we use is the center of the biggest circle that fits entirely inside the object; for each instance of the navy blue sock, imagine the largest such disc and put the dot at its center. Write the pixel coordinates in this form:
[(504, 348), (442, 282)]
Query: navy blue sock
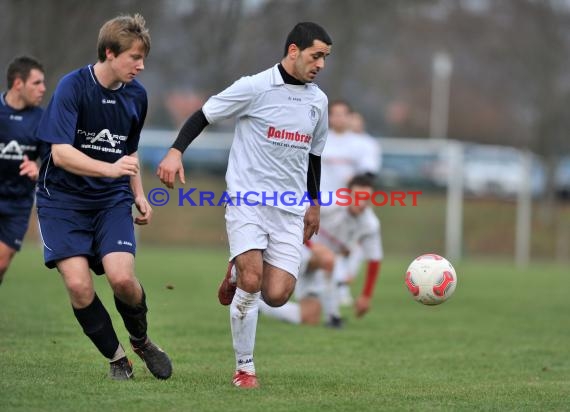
[(97, 325), (134, 318)]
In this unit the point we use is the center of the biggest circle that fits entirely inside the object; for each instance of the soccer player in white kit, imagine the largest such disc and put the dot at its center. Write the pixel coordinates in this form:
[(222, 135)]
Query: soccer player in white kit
[(341, 228), (373, 155), (347, 154), (281, 128)]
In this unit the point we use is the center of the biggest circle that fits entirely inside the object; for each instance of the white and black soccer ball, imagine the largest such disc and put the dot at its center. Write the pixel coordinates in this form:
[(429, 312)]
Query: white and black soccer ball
[(431, 279)]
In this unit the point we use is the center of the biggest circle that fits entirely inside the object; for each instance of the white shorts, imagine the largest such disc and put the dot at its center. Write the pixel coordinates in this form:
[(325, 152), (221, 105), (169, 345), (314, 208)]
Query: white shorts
[(277, 233)]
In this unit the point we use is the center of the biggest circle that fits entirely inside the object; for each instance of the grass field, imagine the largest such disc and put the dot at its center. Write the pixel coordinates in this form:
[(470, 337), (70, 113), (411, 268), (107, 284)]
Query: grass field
[(501, 343)]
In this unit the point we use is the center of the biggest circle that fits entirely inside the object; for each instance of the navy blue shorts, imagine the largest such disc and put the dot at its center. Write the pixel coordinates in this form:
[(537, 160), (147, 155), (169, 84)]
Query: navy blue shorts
[(90, 233), (13, 229)]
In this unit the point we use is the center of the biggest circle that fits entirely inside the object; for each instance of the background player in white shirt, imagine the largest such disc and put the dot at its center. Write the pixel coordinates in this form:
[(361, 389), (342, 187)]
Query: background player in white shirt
[(371, 164), (342, 227), (372, 157), (347, 153), (281, 128)]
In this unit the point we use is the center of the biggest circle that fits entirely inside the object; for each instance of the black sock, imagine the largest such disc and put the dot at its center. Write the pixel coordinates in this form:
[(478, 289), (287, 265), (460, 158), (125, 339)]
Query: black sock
[(97, 325), (134, 318)]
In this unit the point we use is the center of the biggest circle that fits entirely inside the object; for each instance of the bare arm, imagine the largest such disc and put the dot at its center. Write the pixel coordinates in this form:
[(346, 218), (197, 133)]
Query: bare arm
[(29, 168), (72, 160), (141, 201), (362, 304), (171, 166)]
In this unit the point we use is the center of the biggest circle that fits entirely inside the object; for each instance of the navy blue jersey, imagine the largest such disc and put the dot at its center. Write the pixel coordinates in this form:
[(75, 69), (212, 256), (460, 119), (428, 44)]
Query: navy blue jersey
[(17, 138), (103, 124)]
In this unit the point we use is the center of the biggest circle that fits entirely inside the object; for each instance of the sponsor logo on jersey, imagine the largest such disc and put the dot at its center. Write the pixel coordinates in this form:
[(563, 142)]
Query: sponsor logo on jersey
[(124, 242), (14, 150), (93, 140), (284, 134), (16, 117), (105, 136), (313, 115), (108, 101)]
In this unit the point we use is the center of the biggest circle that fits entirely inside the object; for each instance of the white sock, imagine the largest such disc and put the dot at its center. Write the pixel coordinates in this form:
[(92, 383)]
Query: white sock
[(289, 312), (243, 321), (119, 353), (329, 298)]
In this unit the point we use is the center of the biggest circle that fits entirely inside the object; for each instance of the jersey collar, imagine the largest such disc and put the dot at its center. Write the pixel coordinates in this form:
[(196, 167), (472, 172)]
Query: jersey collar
[(92, 74), (276, 78)]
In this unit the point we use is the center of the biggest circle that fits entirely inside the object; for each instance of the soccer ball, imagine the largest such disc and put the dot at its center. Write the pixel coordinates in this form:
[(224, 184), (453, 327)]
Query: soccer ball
[(431, 279)]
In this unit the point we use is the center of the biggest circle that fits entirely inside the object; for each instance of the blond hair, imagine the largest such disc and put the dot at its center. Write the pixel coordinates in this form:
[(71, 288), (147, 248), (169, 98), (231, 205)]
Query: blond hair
[(120, 33)]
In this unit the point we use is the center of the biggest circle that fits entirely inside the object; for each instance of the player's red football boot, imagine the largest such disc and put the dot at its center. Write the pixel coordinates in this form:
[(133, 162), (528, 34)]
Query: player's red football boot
[(245, 380), (227, 288)]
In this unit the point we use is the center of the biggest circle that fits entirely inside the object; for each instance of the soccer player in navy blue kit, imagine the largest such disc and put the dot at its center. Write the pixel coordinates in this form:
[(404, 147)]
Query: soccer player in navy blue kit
[(19, 148), (87, 186)]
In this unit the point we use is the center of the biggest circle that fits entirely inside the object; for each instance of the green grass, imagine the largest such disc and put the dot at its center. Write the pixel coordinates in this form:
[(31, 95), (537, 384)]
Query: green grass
[(501, 343)]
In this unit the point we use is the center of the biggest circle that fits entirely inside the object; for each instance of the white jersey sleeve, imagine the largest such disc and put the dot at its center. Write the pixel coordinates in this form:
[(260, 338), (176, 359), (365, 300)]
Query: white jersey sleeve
[(231, 102), (321, 130)]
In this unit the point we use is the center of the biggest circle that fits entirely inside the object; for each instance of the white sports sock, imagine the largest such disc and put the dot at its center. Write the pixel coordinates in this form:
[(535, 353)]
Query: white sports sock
[(329, 298), (289, 312), (119, 353), (243, 321), (342, 273)]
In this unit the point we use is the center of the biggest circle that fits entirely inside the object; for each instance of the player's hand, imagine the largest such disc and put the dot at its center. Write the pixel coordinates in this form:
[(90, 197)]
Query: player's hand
[(312, 222), (29, 168), (169, 167), (125, 166), (144, 209), (361, 306)]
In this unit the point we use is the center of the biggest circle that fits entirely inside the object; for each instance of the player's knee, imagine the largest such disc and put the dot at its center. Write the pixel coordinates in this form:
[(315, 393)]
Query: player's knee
[(5, 260), (275, 297), (328, 262), (312, 319), (249, 281), (3, 268), (124, 285), (310, 311), (80, 291)]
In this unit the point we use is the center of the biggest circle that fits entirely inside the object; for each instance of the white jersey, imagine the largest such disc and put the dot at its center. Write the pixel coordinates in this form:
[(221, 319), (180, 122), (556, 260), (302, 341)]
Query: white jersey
[(346, 155), (340, 231), (277, 126), (371, 159)]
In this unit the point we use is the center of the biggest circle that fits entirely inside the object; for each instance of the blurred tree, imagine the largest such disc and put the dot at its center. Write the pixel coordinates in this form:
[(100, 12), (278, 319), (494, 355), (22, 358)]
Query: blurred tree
[(509, 84), (61, 33)]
